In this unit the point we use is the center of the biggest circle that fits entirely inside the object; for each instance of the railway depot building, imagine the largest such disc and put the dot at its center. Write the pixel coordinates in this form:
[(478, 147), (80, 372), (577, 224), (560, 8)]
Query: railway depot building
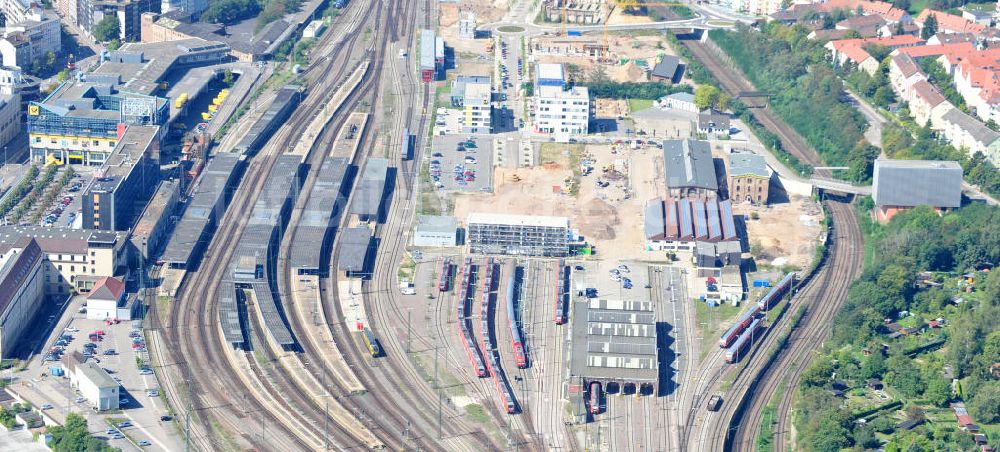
[(615, 341), (679, 224), (690, 169), (525, 235)]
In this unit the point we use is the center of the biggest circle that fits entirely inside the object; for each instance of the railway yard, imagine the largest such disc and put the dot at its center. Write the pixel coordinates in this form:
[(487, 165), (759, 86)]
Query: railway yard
[(296, 310)]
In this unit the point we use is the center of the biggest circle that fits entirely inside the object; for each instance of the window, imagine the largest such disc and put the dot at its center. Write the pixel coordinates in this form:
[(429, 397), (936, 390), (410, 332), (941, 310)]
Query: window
[(72, 268), (91, 254), (60, 267)]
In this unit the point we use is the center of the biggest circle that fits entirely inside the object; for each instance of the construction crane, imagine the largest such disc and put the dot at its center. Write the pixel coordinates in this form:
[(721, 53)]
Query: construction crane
[(625, 4)]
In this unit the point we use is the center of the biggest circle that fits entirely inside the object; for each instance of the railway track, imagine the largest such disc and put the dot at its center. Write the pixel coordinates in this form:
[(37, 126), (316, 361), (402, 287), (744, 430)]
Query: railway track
[(193, 323), (847, 262), (742, 406), (733, 84)]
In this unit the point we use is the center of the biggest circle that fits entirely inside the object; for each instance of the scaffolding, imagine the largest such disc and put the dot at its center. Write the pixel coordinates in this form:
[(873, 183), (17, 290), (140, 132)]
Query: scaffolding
[(518, 235)]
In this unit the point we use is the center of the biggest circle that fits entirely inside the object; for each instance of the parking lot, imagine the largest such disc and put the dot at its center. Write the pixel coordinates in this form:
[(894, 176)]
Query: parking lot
[(56, 203), (613, 280), (461, 163), (142, 422)]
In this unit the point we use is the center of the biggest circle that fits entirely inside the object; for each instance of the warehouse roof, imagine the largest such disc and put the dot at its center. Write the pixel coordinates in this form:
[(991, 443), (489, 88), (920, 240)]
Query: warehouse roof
[(518, 220), (427, 48), (908, 183), (655, 220), (437, 224), (615, 340), (667, 67), (368, 196), (689, 164), (746, 164)]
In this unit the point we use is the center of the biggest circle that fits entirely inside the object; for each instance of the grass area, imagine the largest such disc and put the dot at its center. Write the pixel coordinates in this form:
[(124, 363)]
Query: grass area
[(765, 441), (510, 29), (721, 23), (682, 12), (477, 413), (635, 105), (406, 267), (916, 6), (711, 322), (557, 153)]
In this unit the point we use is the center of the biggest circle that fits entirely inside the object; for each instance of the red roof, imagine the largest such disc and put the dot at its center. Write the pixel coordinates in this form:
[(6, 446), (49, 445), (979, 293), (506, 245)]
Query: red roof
[(107, 288), (950, 22), (883, 9), (965, 419), (936, 50)]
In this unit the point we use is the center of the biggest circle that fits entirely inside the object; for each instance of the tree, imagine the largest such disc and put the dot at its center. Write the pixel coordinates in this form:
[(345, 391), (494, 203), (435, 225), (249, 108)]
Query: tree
[(930, 27), (873, 366), (74, 437), (113, 45), (985, 405), (598, 75), (50, 59), (107, 29), (227, 77), (938, 391), (63, 75), (230, 11), (705, 96)]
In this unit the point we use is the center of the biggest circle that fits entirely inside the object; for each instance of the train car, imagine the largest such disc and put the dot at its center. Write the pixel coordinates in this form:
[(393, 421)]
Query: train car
[(373, 346), (779, 290), (340, 4), (735, 351), (741, 324), (488, 271), (520, 357), (595, 397), (407, 145), (444, 281), (562, 295)]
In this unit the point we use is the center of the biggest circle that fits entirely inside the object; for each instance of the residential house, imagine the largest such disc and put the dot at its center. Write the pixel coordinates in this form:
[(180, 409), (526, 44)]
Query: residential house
[(978, 16), (966, 132), (866, 26), (918, 53), (951, 38), (949, 23), (927, 105), (712, 121), (977, 79), (831, 34), (885, 10), (30, 40), (903, 73), (853, 50), (908, 28)]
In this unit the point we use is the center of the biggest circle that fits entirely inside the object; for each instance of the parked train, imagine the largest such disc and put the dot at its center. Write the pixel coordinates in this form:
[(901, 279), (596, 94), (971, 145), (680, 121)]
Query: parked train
[(562, 295), (406, 150), (465, 323), (595, 397), (444, 281), (373, 346), (779, 290), (735, 351), (520, 357)]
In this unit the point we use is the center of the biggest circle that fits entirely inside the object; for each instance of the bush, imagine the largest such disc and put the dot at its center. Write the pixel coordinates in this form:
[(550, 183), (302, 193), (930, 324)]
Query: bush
[(633, 90)]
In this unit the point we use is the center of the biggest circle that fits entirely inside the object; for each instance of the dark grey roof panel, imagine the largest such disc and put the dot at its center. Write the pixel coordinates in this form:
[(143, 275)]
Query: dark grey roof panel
[(689, 164), (908, 183), (272, 314), (354, 246)]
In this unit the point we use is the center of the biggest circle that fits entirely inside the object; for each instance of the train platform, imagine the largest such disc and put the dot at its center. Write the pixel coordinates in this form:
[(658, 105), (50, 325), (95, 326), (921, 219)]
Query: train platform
[(305, 290), (324, 116), (352, 305)]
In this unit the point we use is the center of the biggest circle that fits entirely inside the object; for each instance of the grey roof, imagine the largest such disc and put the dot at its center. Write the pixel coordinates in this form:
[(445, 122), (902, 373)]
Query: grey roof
[(59, 240), (427, 48), (655, 219), (908, 183), (16, 272), (229, 314), (747, 164), (689, 164), (98, 376), (368, 195), (906, 64), (614, 340), (972, 126), (667, 67), (321, 214), (713, 118), (270, 308), (683, 97), (438, 224), (127, 155), (354, 246), (284, 102), (206, 205)]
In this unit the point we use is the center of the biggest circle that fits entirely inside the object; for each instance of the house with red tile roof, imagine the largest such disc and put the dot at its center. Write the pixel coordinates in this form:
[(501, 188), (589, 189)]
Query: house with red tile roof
[(884, 10), (107, 299), (925, 51), (949, 23), (853, 50), (903, 73)]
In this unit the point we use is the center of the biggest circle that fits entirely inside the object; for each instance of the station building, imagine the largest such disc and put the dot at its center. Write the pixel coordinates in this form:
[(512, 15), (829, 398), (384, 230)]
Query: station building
[(82, 122)]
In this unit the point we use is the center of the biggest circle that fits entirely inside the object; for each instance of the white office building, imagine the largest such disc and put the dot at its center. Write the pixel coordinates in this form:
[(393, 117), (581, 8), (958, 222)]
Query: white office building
[(435, 231), (477, 111), (96, 386), (559, 109)]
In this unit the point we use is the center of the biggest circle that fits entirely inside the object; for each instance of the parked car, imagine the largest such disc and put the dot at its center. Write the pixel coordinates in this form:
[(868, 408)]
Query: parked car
[(144, 443)]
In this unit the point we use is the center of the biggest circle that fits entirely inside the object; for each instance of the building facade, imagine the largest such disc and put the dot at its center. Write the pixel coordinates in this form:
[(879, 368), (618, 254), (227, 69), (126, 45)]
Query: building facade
[(73, 259), (82, 122), (749, 178), (128, 12), (96, 386), (435, 231), (107, 299), (30, 41), (22, 292), (124, 184), (559, 108), (525, 235)]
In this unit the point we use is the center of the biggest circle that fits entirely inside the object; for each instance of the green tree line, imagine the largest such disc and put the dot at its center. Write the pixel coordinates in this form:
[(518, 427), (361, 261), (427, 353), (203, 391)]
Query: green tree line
[(805, 91)]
